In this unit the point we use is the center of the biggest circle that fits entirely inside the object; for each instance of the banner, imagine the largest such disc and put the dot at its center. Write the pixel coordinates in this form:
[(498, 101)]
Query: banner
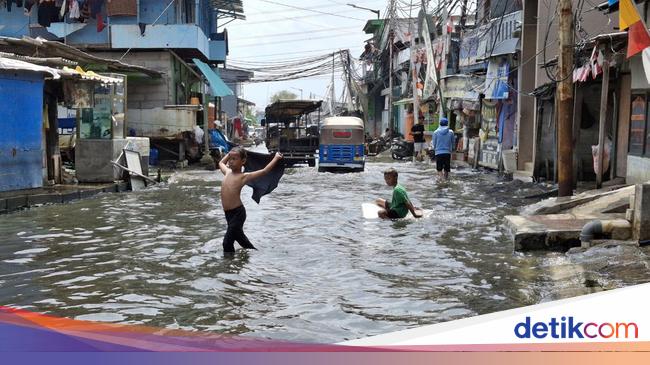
[(496, 80)]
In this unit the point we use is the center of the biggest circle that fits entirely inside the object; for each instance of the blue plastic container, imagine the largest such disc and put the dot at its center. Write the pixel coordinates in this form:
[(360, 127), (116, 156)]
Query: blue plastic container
[(154, 155)]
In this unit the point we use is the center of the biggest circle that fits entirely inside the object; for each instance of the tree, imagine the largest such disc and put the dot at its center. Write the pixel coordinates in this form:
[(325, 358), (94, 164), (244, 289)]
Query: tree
[(284, 94)]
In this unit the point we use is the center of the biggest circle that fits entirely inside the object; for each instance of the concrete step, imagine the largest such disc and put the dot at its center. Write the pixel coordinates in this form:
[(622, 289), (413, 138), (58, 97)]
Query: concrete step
[(529, 166), (525, 176), (557, 231)]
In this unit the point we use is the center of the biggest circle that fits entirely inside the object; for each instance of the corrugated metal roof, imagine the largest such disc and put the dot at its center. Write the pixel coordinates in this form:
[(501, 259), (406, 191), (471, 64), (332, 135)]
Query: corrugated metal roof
[(10, 64), (229, 9), (43, 48)]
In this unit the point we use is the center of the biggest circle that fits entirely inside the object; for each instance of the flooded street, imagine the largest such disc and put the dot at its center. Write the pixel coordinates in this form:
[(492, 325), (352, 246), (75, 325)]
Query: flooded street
[(322, 273)]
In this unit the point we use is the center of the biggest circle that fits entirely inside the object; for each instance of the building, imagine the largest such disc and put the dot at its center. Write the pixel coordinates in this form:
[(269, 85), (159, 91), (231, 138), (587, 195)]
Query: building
[(164, 36), (631, 150)]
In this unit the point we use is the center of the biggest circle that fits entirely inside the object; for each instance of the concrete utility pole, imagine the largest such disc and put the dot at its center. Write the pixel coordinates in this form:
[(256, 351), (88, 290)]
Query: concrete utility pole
[(390, 79), (603, 120), (565, 101)]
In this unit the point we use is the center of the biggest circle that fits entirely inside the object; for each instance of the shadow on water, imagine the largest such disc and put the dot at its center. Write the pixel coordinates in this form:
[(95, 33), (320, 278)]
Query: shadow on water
[(322, 272)]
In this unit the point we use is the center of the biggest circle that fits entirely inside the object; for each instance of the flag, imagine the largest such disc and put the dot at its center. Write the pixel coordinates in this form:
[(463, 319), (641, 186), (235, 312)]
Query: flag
[(638, 38), (627, 14)]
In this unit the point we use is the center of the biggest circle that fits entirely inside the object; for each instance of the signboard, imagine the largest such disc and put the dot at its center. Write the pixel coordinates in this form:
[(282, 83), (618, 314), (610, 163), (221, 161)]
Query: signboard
[(496, 80), (489, 138), (637, 124), (461, 87)]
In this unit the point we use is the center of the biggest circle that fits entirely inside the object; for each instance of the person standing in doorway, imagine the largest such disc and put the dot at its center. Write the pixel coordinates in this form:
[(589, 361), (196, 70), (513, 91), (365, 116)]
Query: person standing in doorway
[(443, 144), (417, 131)]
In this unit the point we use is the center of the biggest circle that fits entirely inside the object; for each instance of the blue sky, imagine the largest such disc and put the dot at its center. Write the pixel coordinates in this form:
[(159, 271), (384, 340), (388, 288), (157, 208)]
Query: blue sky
[(274, 32)]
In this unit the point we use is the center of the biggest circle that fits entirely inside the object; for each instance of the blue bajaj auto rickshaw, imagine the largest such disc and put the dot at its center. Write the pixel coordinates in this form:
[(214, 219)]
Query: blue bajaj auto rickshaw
[(341, 145)]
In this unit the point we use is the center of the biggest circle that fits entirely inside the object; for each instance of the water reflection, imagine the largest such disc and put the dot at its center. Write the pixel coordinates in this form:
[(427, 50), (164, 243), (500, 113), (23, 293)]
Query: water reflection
[(322, 273)]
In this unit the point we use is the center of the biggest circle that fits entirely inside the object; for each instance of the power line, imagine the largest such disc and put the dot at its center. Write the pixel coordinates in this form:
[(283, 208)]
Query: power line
[(299, 52), (315, 11), (294, 40), (294, 33)]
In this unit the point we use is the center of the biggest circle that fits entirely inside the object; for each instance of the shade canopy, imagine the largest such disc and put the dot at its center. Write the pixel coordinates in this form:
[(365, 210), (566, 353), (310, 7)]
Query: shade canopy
[(217, 86)]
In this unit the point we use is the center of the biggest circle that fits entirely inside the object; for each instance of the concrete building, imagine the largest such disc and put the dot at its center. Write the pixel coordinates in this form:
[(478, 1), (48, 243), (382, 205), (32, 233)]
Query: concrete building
[(164, 36)]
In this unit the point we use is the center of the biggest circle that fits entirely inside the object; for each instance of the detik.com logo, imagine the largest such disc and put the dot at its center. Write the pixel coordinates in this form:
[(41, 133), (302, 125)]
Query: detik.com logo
[(568, 327)]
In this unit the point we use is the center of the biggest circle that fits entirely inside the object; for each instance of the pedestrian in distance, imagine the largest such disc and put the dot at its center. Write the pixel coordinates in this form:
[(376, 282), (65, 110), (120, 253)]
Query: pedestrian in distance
[(233, 182), (443, 144), (417, 131), (400, 205)]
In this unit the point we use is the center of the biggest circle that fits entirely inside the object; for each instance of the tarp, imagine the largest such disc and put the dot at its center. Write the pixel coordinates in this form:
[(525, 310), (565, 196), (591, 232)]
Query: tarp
[(218, 141), (217, 86)]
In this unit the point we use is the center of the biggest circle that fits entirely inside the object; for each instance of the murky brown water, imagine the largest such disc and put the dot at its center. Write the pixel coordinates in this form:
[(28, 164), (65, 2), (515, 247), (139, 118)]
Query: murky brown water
[(322, 273)]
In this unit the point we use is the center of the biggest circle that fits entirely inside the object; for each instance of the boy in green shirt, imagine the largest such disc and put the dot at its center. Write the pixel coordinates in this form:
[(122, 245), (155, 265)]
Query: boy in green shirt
[(400, 204)]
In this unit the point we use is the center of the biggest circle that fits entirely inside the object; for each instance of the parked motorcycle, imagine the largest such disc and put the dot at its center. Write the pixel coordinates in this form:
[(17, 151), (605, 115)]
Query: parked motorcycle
[(401, 149)]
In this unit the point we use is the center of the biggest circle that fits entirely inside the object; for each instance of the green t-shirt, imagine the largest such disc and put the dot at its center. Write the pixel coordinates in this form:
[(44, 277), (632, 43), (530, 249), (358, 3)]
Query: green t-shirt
[(398, 204)]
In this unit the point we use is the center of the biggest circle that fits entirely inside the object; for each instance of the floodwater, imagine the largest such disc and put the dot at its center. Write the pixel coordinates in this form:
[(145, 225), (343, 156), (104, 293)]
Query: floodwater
[(322, 273)]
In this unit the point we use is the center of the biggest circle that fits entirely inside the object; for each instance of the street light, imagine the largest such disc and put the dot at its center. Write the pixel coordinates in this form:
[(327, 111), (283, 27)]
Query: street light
[(297, 88), (361, 7)]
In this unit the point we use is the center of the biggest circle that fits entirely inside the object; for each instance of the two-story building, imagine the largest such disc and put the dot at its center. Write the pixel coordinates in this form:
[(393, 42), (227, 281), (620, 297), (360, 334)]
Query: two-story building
[(162, 35)]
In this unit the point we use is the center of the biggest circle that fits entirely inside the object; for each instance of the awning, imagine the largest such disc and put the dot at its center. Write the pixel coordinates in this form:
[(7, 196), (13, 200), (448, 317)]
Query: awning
[(403, 101), (218, 87), (509, 46)]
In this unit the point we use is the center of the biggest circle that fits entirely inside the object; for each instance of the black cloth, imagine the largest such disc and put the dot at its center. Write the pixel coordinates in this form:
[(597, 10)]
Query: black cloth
[(47, 13), (235, 232), (418, 137), (443, 162), (267, 183), (95, 7)]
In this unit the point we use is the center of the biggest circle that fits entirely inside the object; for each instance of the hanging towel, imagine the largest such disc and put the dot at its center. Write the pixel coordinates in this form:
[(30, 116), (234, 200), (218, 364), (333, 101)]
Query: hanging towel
[(74, 10), (122, 7), (100, 23)]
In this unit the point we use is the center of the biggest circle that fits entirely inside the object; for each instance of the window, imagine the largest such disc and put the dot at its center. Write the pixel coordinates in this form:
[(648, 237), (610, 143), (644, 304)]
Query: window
[(638, 125)]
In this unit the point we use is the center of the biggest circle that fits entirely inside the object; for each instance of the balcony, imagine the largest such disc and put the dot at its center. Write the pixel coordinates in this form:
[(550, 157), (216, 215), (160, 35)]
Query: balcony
[(187, 38)]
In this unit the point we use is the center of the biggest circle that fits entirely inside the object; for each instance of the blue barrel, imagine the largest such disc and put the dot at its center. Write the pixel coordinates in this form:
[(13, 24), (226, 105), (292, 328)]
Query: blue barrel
[(154, 154)]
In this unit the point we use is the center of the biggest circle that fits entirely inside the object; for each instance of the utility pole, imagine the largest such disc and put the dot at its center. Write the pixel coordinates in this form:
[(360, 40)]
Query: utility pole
[(565, 102), (603, 119), (390, 78), (332, 91), (348, 71)]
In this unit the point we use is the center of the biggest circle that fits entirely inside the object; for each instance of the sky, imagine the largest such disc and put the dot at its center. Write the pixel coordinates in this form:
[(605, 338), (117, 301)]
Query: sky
[(273, 32)]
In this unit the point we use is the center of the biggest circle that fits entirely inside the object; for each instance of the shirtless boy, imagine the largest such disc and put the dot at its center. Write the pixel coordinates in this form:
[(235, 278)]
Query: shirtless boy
[(234, 180)]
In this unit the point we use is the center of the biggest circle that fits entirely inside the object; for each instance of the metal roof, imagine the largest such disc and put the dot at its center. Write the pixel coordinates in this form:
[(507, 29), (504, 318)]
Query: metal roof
[(283, 110), (350, 122), (229, 9), (38, 47)]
